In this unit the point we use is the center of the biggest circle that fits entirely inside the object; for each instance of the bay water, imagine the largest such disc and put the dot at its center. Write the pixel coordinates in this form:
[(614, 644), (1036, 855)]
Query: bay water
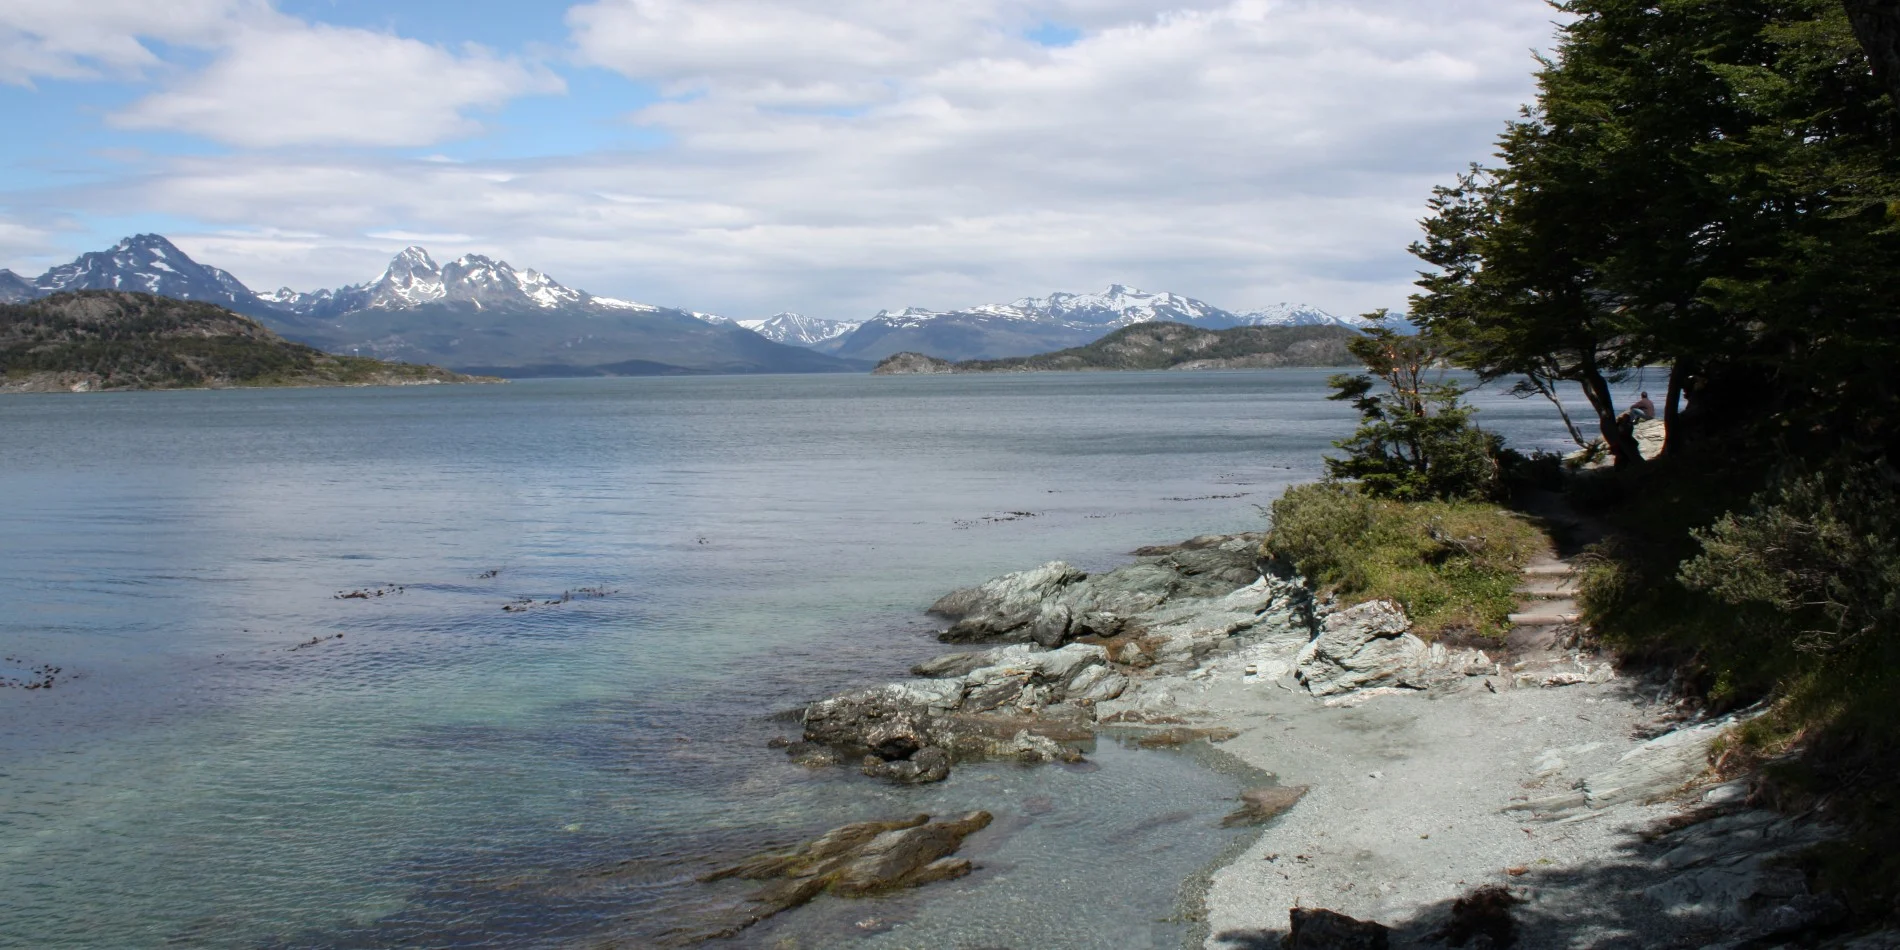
[(235, 752)]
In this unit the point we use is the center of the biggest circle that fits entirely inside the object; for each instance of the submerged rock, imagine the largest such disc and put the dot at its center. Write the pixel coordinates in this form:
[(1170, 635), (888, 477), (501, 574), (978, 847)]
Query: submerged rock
[(856, 860), (1261, 805)]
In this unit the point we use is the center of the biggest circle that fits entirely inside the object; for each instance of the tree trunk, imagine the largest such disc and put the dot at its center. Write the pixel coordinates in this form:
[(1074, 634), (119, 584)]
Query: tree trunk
[(1547, 386), (1877, 27), (1672, 436), (1622, 444)]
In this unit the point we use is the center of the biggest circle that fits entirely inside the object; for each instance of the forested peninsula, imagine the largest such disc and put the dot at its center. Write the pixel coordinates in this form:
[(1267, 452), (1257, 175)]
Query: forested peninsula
[(1157, 346), (98, 340)]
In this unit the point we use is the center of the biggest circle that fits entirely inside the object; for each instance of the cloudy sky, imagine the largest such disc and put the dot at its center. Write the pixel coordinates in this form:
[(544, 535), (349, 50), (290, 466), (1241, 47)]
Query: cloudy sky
[(831, 157)]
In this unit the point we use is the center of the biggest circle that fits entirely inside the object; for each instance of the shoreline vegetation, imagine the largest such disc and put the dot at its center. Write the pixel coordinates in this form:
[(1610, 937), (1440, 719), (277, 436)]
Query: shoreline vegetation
[(106, 341), (1434, 770), (1684, 734), (1159, 345)]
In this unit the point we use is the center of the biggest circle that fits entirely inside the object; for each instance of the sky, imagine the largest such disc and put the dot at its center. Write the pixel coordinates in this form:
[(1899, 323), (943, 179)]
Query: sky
[(745, 157)]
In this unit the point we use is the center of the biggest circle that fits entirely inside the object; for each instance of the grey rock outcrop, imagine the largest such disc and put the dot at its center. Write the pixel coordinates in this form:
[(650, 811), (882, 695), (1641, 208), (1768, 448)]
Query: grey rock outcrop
[(1363, 646), (1731, 874), (913, 731), (1039, 692), (1653, 770), (1055, 603), (1010, 606)]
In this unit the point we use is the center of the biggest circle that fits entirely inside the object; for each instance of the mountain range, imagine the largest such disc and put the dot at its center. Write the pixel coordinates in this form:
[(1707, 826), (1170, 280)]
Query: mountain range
[(473, 313), (479, 314), (1059, 321), (1161, 344)]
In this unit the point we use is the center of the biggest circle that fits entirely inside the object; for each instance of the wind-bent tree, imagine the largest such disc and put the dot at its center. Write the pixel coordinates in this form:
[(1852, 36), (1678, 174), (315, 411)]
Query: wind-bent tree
[(1415, 439), (1708, 185)]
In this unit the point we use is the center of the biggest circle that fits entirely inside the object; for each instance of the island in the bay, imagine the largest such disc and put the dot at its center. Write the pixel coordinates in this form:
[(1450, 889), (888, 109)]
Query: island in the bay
[(1158, 346), (94, 340)]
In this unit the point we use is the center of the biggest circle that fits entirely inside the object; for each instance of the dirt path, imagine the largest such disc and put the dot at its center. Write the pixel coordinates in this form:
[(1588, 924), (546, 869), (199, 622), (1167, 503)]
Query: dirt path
[(1546, 778)]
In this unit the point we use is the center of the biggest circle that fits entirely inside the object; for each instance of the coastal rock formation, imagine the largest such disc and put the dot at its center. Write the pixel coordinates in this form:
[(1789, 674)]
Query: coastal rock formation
[(1055, 603), (912, 731), (1650, 771), (1077, 648), (857, 860), (1363, 646)]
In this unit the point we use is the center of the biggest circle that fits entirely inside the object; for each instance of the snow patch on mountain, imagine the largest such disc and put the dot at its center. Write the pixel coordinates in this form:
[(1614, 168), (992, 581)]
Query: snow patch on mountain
[(798, 329), (1118, 306), (1296, 315)]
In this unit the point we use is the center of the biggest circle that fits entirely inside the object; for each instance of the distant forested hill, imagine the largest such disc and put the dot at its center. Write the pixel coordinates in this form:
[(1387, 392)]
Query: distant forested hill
[(1152, 346), (106, 339)]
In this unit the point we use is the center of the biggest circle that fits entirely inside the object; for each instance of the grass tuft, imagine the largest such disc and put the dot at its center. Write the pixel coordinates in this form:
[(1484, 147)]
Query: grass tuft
[(1454, 566)]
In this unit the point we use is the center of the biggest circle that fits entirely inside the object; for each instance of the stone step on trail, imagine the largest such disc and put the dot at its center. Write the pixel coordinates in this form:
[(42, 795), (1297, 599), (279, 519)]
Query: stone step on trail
[(1551, 569), (1547, 597), (1551, 586), (1550, 613)]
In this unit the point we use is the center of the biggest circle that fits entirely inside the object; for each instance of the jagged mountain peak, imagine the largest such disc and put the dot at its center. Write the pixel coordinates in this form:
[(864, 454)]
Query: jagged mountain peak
[(148, 263), (798, 329), (413, 257), (157, 243)]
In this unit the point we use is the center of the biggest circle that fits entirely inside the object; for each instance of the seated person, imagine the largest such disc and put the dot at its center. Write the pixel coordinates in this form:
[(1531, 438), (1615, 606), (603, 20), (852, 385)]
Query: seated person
[(1642, 409)]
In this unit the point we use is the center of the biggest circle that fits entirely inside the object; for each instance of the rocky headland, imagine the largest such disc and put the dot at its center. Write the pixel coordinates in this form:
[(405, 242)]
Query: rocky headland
[(1158, 345), (103, 340), (1514, 792)]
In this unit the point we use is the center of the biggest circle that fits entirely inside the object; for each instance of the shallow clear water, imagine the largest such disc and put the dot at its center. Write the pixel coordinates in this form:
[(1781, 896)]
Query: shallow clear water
[(234, 757)]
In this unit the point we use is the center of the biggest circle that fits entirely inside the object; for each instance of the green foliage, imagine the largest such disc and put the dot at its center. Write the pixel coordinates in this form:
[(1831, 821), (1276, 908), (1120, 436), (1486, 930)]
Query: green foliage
[(138, 341), (1699, 184), (1453, 566), (1415, 439), (1817, 558)]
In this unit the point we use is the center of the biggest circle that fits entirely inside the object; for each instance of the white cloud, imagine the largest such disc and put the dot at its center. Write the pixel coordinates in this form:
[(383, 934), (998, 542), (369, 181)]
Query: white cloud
[(284, 82), (834, 157), (272, 79), (60, 39)]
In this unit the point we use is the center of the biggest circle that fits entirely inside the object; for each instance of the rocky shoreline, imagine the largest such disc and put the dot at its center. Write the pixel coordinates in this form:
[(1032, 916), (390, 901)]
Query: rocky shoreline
[(1433, 793)]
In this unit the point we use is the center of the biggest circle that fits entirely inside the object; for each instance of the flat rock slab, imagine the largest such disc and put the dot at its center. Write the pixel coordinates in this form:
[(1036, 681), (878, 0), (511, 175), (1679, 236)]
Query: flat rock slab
[(1261, 805), (856, 860)]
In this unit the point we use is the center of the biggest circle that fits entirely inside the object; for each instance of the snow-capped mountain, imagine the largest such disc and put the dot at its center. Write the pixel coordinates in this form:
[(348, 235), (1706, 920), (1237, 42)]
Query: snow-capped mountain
[(1041, 324), (798, 329), (149, 264), (413, 279), (1296, 315), (1119, 306), (473, 312)]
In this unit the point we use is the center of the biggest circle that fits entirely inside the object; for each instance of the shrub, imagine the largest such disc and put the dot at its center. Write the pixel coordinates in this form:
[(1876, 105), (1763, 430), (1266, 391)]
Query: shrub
[(1453, 566), (1415, 439), (1818, 558)]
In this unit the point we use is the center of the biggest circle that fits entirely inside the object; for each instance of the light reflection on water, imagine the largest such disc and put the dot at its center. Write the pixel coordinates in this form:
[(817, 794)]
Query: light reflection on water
[(447, 773)]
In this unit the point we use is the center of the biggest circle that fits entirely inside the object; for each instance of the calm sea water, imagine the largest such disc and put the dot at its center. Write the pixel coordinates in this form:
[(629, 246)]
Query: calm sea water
[(232, 756)]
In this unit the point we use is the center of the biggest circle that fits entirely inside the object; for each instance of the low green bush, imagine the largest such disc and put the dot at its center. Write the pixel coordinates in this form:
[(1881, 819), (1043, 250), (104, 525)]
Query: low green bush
[(1453, 565)]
